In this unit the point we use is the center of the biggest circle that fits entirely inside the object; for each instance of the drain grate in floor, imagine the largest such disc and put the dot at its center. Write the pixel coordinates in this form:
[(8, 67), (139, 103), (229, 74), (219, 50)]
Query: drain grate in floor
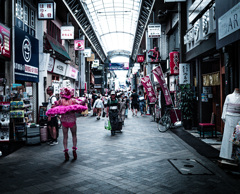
[(190, 167)]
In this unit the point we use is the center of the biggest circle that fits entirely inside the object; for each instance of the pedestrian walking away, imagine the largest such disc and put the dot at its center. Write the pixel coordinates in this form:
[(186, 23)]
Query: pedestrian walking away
[(67, 106), (134, 104), (98, 105)]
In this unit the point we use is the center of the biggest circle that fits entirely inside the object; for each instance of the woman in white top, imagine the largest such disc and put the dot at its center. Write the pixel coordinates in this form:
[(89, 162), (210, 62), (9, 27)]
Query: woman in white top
[(98, 105)]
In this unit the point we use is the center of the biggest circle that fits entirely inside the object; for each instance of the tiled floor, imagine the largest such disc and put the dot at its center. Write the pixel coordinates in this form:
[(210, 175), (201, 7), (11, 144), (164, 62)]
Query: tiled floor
[(134, 161), (213, 141)]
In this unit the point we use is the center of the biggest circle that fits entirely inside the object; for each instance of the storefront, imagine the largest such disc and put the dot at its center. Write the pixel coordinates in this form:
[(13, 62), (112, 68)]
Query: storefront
[(5, 80), (205, 63)]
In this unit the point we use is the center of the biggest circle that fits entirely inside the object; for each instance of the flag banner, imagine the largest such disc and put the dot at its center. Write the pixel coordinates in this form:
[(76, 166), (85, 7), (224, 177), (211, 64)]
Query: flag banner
[(147, 84), (161, 79)]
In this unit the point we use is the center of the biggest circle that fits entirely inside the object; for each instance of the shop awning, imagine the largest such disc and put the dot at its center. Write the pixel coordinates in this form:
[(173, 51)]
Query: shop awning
[(58, 48)]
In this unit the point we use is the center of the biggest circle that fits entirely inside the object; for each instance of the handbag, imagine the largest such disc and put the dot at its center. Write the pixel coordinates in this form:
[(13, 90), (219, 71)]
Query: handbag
[(107, 124), (235, 139)]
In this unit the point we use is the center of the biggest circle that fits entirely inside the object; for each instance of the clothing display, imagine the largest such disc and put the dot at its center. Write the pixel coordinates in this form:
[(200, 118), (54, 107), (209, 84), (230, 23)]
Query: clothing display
[(231, 116)]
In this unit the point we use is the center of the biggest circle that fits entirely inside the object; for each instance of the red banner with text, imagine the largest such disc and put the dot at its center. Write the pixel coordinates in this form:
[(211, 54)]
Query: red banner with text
[(161, 79), (147, 84)]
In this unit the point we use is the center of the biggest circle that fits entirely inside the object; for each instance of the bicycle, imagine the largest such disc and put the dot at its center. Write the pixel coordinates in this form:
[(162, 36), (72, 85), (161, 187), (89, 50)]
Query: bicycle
[(165, 122)]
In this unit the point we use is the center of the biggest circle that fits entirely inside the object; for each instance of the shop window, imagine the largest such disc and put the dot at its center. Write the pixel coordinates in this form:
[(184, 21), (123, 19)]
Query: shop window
[(26, 16), (19, 9), (54, 31)]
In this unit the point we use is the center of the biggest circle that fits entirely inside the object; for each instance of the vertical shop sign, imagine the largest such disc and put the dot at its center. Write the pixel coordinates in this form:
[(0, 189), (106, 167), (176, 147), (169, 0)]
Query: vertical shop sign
[(5, 41), (161, 79), (174, 62), (27, 58), (46, 10), (184, 73), (147, 84)]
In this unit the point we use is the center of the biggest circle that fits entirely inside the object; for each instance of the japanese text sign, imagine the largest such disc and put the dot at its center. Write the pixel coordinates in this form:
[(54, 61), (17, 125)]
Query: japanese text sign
[(184, 73), (147, 84), (161, 79), (46, 11), (67, 32), (174, 62)]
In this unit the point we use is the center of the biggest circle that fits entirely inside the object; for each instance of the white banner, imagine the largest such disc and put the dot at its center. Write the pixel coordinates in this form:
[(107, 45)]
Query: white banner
[(67, 32), (184, 73), (59, 68), (71, 72), (154, 30)]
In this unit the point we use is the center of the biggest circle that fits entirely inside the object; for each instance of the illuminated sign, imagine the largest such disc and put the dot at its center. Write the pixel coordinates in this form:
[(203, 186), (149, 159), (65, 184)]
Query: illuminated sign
[(46, 11)]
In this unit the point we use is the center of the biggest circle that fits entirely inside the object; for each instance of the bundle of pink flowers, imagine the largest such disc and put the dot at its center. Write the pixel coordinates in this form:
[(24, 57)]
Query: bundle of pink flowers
[(59, 110)]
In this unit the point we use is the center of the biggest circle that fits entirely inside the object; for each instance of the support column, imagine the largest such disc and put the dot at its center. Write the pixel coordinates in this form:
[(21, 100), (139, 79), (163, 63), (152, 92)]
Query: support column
[(199, 84)]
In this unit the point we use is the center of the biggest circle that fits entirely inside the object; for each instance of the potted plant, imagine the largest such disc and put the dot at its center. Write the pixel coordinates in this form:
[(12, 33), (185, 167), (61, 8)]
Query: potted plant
[(186, 106)]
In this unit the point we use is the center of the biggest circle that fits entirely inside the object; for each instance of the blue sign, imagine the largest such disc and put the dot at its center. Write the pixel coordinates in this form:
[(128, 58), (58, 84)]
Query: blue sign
[(26, 57), (118, 66)]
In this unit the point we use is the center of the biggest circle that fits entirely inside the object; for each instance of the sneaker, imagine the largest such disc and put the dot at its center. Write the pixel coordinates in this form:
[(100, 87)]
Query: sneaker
[(53, 143)]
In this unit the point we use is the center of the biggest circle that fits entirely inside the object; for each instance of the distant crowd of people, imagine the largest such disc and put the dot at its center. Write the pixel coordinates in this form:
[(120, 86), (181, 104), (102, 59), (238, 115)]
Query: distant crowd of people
[(113, 105)]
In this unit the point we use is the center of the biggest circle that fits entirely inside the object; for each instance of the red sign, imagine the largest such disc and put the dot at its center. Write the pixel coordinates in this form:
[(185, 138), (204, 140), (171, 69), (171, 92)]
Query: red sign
[(140, 58), (5, 42), (174, 62), (147, 84), (161, 79), (79, 45)]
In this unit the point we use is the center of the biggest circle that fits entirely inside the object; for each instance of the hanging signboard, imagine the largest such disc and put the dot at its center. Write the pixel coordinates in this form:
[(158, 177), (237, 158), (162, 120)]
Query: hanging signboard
[(27, 58), (140, 58), (92, 58), (154, 31), (87, 52), (79, 45), (147, 84), (170, 1), (184, 73), (5, 41), (67, 32), (118, 66), (161, 80), (174, 62), (46, 11), (95, 63)]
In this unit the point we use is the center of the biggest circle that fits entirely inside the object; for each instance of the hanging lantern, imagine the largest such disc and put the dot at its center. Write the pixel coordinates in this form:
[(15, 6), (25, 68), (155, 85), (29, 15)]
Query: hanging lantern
[(174, 62)]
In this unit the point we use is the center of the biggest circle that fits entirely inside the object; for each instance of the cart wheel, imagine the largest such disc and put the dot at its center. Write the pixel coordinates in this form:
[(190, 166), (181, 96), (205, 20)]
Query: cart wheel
[(112, 132)]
